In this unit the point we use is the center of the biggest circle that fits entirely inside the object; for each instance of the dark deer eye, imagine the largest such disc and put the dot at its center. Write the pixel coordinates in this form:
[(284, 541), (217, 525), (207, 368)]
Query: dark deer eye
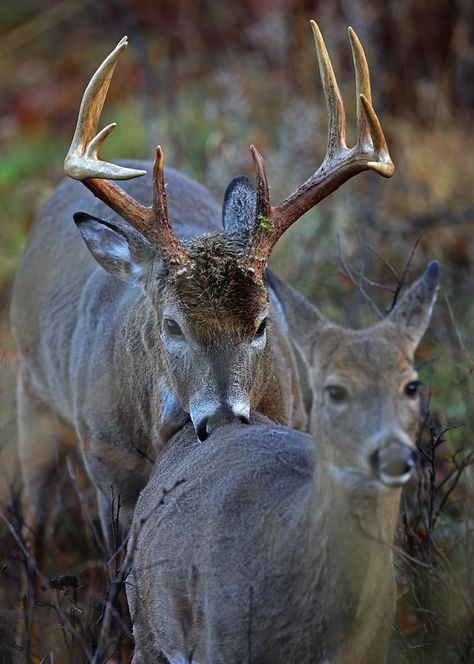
[(261, 328), (411, 389), (173, 329), (336, 393)]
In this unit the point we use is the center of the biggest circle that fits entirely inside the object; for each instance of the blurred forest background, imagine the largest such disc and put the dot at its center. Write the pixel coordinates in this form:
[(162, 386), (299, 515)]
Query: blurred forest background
[(205, 79)]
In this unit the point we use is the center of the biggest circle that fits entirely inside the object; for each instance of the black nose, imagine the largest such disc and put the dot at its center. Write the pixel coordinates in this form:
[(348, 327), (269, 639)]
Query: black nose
[(393, 463), (223, 415)]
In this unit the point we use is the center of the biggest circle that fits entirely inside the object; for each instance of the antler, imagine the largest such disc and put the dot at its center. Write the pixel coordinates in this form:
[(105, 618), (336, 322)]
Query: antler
[(82, 163), (340, 163)]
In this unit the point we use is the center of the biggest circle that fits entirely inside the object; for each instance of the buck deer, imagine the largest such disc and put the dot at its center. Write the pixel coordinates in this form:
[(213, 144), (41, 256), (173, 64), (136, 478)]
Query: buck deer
[(264, 546), (163, 325)]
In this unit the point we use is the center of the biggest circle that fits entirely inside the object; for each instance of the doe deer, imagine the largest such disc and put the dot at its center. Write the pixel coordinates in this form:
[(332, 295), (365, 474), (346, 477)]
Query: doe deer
[(265, 546), (163, 325)]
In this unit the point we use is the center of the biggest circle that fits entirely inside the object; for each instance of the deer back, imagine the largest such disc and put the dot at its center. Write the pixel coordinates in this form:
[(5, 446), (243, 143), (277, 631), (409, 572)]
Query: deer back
[(245, 548), (221, 549)]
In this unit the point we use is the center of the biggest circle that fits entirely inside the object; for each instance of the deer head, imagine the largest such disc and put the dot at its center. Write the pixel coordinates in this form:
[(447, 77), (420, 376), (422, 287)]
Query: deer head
[(364, 384), (210, 293)]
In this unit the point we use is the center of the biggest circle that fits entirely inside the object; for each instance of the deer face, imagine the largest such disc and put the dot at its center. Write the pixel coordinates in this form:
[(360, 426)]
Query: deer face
[(366, 403), (211, 314), (365, 408), (213, 322)]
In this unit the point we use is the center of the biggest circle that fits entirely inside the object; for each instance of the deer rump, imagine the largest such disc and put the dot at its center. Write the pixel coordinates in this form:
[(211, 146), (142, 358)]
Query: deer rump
[(219, 549)]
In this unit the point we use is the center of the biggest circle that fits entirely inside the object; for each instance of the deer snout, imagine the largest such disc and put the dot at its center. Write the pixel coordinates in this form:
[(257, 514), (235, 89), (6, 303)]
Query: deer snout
[(393, 463), (209, 420)]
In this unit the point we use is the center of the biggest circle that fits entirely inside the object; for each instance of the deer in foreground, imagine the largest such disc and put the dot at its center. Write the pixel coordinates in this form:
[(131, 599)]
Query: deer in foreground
[(265, 546), (174, 318)]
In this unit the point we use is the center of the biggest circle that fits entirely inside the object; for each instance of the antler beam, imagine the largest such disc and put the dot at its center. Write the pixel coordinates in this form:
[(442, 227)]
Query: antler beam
[(82, 163), (340, 163)]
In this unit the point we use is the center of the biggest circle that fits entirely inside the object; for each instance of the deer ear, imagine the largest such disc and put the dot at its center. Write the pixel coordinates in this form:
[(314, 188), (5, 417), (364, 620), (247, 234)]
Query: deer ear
[(413, 311), (118, 247), (240, 202), (302, 318)]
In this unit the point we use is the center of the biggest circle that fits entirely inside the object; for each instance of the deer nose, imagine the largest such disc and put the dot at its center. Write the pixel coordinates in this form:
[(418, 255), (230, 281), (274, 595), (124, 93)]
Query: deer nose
[(223, 415), (393, 463)]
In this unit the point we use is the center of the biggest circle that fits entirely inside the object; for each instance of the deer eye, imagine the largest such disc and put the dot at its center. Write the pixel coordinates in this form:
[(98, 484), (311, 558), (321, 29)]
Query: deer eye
[(336, 393), (261, 328), (173, 329), (411, 388)]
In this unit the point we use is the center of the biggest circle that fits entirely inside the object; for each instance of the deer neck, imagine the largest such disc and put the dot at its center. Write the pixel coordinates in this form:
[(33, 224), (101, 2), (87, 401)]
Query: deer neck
[(278, 389), (360, 531), (137, 352)]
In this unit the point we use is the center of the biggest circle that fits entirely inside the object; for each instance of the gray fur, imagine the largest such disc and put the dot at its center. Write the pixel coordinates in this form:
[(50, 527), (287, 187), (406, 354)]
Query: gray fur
[(263, 545), (92, 350), (119, 248)]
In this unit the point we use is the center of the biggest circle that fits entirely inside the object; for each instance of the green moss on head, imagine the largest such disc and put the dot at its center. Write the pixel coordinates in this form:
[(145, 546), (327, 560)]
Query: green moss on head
[(221, 298), (265, 224)]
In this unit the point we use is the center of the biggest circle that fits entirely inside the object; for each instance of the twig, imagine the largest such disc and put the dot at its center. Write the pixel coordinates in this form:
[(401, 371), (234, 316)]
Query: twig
[(43, 21), (384, 261), (459, 470), (84, 510), (402, 280), (375, 284), (461, 343), (357, 284)]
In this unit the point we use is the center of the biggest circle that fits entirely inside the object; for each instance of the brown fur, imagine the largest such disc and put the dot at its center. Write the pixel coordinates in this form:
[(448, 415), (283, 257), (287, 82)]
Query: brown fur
[(91, 348), (218, 291), (261, 545)]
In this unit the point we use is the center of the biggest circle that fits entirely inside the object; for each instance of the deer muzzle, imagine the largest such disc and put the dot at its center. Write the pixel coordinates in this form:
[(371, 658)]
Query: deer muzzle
[(208, 417), (393, 463)]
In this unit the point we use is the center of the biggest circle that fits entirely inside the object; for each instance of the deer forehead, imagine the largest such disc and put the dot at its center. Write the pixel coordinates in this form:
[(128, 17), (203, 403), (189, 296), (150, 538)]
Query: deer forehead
[(363, 357), (215, 291)]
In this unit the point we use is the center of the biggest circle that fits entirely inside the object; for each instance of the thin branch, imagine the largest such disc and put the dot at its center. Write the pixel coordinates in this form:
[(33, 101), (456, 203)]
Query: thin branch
[(461, 343), (84, 510), (375, 284), (384, 261), (402, 280), (356, 283)]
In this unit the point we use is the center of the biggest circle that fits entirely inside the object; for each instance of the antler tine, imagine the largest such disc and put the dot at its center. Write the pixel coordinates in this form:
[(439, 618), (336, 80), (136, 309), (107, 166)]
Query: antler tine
[(159, 192), (362, 77), (369, 132), (263, 194), (339, 165), (81, 160), (334, 104), (82, 163), (384, 165), (162, 233)]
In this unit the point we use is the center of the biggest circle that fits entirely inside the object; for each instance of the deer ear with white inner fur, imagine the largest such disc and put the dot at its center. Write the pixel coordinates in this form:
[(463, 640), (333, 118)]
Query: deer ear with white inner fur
[(238, 212), (118, 247), (413, 311)]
